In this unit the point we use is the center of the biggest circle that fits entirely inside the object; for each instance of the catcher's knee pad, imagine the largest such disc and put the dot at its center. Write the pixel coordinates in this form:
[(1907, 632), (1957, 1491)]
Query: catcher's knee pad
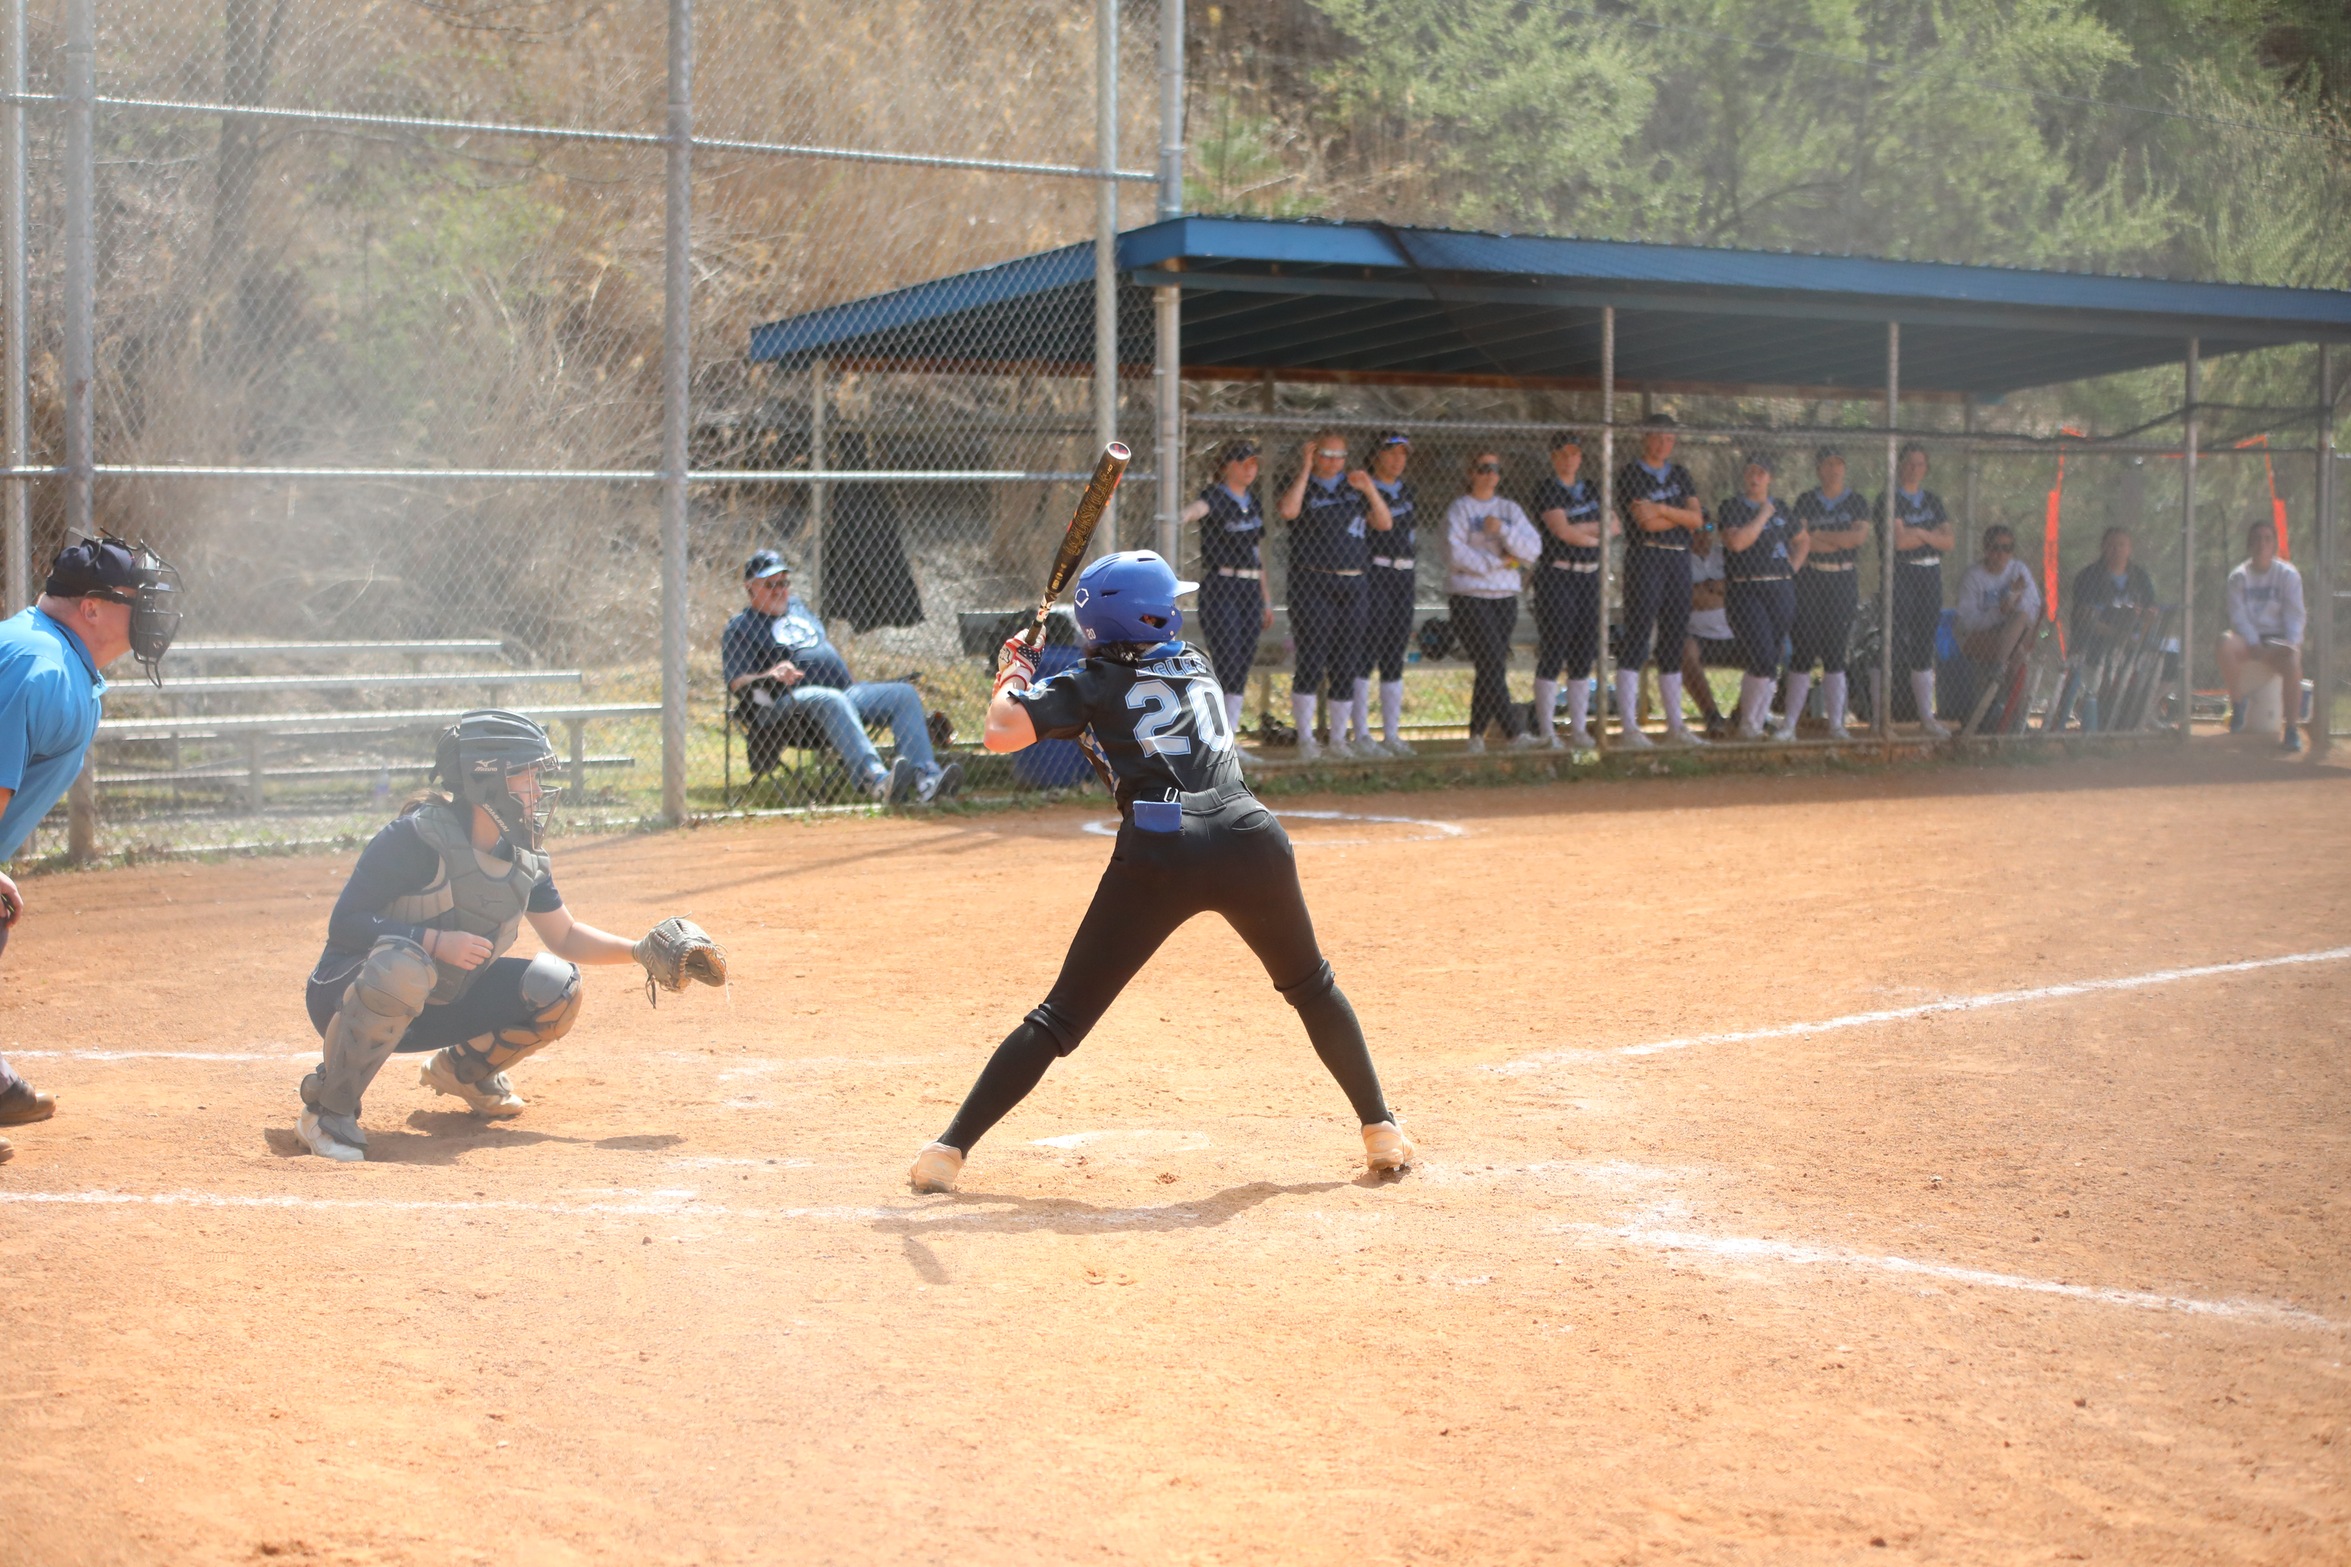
[(1312, 988), (393, 982), (550, 993), (383, 998)]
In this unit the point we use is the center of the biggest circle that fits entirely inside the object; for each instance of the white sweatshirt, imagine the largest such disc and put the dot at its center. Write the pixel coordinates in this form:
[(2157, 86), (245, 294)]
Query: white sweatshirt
[(1481, 564), (2266, 606), (1979, 595)]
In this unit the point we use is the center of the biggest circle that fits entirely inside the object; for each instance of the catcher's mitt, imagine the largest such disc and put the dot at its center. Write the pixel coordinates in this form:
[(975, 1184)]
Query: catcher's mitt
[(675, 951)]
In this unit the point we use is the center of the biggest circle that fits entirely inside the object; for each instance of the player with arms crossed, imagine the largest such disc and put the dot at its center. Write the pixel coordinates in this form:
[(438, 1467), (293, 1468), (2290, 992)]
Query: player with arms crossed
[(1192, 840), (415, 952)]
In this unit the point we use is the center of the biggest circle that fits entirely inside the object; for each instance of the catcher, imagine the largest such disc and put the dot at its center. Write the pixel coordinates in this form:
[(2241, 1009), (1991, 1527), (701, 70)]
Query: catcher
[(415, 954)]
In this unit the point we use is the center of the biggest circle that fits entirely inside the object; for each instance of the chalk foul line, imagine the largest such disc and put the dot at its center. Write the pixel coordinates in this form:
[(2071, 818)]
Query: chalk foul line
[(1996, 998), (158, 1055), (1758, 1249)]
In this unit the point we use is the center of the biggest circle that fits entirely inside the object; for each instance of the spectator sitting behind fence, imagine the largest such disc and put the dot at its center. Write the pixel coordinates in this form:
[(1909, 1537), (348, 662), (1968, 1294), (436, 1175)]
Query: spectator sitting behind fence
[(2266, 622), (1998, 603), (778, 659), (2111, 595)]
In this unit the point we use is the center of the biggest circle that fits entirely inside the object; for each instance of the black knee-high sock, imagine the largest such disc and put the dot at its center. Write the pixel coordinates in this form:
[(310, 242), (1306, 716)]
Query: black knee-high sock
[(1338, 1039), (1017, 1066)]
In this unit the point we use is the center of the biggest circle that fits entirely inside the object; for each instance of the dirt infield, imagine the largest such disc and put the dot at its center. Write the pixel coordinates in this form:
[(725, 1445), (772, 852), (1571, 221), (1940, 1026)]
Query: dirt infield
[(2061, 1276)]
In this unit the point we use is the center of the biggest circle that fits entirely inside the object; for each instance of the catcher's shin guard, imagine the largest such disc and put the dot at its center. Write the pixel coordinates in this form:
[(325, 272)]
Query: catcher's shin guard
[(382, 999), (551, 1004)]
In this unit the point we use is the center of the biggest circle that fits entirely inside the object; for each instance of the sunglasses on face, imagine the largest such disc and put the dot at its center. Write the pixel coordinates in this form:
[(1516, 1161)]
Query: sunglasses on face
[(1340, 454), (2000, 547)]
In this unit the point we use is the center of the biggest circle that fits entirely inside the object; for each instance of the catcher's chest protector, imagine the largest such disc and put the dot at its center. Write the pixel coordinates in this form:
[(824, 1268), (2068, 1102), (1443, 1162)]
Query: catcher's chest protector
[(475, 893)]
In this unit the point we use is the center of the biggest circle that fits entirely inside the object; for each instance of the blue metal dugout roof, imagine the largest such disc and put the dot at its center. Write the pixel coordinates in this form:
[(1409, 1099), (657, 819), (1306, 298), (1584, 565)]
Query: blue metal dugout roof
[(1313, 300)]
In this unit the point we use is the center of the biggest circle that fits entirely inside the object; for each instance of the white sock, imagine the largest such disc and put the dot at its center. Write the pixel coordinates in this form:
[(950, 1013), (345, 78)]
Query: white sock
[(1922, 691), (1234, 701), (1302, 714), (1546, 697), (1749, 686), (1392, 709), (1799, 688), (1579, 704), (1361, 709), (1832, 696), (1669, 697), (1628, 696), (1341, 714)]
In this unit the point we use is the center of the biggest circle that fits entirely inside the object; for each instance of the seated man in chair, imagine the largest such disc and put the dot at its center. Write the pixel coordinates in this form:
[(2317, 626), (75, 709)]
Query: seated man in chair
[(788, 679)]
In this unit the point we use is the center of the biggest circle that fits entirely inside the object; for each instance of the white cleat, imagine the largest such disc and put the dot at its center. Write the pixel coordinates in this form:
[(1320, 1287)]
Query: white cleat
[(1308, 750), (1934, 730), (1748, 732), (1339, 750), (1580, 740), (1386, 1149), (1685, 737), (493, 1098), (1635, 740), (1400, 748), (1786, 731), (935, 1168), (1475, 746), (1837, 731), (1528, 740), (335, 1137)]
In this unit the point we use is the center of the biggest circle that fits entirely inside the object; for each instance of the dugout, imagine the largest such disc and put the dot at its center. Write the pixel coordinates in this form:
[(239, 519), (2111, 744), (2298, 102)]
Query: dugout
[(1278, 326)]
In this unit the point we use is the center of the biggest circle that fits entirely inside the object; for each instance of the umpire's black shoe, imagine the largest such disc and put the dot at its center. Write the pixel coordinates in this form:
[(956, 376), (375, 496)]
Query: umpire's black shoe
[(19, 1103)]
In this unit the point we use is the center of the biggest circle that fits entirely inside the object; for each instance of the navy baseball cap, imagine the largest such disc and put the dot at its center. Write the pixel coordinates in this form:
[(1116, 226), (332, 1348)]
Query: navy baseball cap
[(1390, 438), (87, 566), (764, 564), (1661, 421), (1827, 452), (1233, 451)]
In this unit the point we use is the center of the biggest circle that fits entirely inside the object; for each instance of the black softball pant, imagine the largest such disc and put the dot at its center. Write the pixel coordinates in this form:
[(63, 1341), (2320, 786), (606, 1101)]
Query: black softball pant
[(1232, 611), (1825, 601), (1484, 627), (1231, 858), (1656, 602), (1327, 614), (1918, 610), (1567, 622), (495, 1001), (1761, 615), (1387, 621)]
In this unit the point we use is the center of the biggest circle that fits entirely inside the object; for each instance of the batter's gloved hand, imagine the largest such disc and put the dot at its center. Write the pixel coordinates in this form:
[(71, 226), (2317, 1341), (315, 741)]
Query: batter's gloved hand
[(1017, 658), (675, 951)]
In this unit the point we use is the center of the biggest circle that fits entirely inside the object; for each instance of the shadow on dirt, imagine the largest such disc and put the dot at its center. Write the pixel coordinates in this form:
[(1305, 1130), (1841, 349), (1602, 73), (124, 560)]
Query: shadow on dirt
[(448, 1136), (979, 1213)]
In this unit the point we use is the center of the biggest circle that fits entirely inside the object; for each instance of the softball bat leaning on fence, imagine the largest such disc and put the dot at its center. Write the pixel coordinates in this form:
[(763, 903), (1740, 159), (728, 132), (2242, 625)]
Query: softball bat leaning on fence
[(1091, 505)]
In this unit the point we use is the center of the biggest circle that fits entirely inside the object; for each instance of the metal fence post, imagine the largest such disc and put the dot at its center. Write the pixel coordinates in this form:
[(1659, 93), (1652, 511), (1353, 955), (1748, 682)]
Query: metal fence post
[(1167, 304), (1106, 248), (81, 263), (16, 553), (1604, 665), (676, 412), (2320, 596), (818, 492), (2188, 436), (1885, 703)]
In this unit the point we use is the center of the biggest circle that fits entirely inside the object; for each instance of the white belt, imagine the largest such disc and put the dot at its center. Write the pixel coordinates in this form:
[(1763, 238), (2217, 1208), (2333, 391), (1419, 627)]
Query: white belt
[(1575, 565), (1331, 571), (1245, 573), (1402, 563), (1842, 565), (1924, 560), (1757, 579)]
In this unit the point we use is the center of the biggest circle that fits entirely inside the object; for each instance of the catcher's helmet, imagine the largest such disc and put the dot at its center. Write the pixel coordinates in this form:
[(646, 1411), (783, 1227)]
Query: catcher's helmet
[(1129, 597), (483, 750)]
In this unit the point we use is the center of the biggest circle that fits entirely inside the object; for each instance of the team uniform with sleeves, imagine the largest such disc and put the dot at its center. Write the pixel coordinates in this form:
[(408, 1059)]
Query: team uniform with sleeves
[(1330, 600), (1918, 581), (50, 693), (1828, 589), (1567, 585), (1759, 592), (1232, 569), (1191, 840), (1393, 581), (1656, 589)]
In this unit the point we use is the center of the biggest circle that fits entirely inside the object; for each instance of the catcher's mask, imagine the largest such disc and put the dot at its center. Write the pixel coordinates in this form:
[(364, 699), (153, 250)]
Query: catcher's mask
[(480, 756), (132, 574)]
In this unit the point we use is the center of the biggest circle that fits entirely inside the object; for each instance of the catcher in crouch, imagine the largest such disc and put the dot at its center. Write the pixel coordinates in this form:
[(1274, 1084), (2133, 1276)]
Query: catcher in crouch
[(415, 954)]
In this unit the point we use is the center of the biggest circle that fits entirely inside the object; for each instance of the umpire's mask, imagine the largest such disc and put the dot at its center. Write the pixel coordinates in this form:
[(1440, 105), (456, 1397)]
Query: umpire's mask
[(132, 574)]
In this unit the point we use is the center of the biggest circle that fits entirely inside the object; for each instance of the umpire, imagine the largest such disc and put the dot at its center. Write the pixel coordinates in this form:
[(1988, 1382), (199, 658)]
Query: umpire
[(104, 598)]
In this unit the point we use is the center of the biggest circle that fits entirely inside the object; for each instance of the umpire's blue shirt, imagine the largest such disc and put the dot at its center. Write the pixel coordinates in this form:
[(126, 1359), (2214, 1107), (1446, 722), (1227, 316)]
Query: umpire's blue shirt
[(49, 694)]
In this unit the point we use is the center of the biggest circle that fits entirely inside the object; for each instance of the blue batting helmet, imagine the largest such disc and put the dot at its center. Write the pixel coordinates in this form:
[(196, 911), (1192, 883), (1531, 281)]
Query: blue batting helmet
[(1129, 597)]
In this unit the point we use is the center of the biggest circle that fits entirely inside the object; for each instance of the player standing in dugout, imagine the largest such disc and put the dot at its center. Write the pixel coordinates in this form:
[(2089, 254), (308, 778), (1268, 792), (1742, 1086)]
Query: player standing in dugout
[(1331, 510), (103, 598), (1394, 578), (1236, 603), (1659, 504), (1567, 593), (1191, 839), (1922, 533), (1834, 520)]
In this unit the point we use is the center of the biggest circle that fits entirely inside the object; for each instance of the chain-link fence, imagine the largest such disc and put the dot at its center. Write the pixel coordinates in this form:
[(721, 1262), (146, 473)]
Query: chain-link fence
[(425, 338)]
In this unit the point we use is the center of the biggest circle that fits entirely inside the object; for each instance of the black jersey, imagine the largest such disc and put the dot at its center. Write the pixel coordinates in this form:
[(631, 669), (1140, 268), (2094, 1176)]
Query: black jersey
[(1232, 531), (1674, 487), (1815, 510), (1158, 724), (1330, 531), (1396, 544), (1918, 509), (1581, 502), (1768, 558)]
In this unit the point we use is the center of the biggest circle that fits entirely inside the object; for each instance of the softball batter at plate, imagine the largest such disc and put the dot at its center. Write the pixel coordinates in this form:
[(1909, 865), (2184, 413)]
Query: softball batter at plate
[(1191, 840)]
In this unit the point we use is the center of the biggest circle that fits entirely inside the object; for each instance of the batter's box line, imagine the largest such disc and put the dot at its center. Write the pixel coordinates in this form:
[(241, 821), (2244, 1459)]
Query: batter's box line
[(1996, 998), (1750, 1248)]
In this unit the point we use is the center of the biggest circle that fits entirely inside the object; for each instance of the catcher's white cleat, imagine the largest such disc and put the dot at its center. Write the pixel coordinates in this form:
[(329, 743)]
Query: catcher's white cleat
[(335, 1137), (493, 1097), (935, 1168), (1386, 1148)]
